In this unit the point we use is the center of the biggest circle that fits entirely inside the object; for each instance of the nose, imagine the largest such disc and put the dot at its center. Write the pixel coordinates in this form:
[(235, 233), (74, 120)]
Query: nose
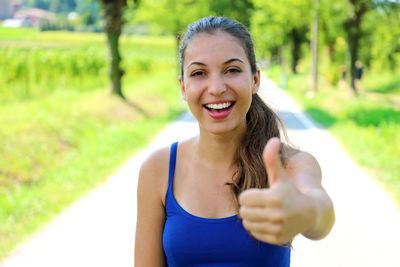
[(216, 85)]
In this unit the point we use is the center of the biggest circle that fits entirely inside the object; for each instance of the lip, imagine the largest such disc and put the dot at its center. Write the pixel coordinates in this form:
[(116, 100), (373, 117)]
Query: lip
[(219, 102), (219, 115)]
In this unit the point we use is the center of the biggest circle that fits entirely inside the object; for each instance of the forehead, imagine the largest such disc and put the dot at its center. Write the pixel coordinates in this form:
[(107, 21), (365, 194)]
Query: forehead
[(205, 47)]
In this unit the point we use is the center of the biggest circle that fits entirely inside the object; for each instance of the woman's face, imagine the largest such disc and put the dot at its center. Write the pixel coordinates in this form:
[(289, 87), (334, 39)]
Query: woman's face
[(217, 82)]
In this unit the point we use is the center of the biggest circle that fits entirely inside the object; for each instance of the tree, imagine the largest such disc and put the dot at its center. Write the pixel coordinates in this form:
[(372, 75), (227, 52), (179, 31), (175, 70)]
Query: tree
[(380, 49), (332, 15), (89, 10), (314, 45), (281, 22), (170, 16), (372, 28), (64, 6), (113, 22), (238, 10), (352, 27), (42, 4), (56, 6)]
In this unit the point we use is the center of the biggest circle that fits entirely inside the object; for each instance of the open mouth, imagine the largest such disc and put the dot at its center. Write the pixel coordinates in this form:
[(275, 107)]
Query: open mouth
[(221, 107)]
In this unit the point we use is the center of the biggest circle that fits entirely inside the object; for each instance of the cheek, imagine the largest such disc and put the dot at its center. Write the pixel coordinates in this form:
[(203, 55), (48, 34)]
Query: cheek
[(192, 98), (247, 94), (245, 87), (243, 82), (192, 91)]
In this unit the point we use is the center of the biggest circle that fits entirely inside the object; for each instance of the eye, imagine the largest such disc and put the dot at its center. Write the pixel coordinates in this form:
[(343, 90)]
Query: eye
[(197, 73), (233, 70)]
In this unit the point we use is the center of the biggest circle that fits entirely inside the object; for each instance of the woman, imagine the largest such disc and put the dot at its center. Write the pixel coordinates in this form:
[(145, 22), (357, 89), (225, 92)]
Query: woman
[(227, 197)]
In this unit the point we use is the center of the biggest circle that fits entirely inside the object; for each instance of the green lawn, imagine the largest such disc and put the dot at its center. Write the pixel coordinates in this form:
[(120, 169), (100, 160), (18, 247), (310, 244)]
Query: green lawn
[(368, 125), (61, 133)]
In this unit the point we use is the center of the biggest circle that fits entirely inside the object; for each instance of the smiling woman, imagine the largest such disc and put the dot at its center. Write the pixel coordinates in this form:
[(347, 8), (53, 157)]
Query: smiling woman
[(232, 196), (226, 76)]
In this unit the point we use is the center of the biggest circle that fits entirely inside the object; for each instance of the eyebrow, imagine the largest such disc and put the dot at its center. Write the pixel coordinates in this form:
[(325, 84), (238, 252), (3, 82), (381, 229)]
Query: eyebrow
[(232, 60), (195, 63), (225, 63)]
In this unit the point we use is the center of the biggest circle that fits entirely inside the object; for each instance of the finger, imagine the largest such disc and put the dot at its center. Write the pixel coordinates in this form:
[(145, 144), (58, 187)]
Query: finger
[(262, 214), (254, 214), (267, 238), (263, 228), (272, 160), (253, 198)]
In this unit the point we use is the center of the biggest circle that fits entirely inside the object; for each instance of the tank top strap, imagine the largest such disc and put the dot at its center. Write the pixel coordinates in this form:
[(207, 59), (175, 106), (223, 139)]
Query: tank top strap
[(172, 163)]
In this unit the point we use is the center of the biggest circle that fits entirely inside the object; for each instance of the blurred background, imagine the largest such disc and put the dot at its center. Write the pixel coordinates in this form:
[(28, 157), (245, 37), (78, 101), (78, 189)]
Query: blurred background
[(88, 83)]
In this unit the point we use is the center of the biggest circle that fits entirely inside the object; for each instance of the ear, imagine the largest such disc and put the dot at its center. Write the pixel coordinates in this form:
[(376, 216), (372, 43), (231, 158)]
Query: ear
[(182, 85), (256, 81)]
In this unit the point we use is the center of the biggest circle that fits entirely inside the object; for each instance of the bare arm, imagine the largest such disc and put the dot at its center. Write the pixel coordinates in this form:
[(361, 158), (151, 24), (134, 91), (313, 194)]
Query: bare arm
[(151, 213), (294, 203), (305, 171)]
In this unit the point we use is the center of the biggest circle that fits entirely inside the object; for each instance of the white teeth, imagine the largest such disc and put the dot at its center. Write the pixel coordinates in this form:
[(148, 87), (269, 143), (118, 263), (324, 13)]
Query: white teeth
[(219, 106)]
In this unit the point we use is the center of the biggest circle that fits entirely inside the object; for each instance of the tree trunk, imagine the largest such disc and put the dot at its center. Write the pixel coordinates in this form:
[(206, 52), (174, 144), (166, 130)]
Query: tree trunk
[(274, 58), (280, 56), (296, 44), (112, 26), (116, 72), (331, 52), (353, 31), (314, 47), (353, 40)]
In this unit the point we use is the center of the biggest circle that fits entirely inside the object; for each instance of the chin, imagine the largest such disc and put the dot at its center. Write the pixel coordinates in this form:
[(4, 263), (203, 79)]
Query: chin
[(221, 128)]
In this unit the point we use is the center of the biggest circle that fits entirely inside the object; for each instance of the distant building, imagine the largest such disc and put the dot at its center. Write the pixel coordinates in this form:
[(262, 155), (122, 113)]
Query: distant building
[(33, 15), (6, 9)]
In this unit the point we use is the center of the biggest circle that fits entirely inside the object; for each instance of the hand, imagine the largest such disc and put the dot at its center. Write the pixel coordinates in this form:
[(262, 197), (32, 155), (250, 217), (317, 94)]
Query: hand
[(276, 214)]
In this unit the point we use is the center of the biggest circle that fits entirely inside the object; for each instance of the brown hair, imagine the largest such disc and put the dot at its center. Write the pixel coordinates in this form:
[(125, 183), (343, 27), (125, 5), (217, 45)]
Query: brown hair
[(262, 122)]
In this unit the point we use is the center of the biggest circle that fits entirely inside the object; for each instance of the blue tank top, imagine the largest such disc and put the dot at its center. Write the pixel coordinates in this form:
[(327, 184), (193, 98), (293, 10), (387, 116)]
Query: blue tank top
[(189, 240)]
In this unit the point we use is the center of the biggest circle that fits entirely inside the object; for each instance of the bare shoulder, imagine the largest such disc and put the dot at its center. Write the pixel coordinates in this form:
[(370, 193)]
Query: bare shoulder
[(156, 162), (153, 175), (152, 185)]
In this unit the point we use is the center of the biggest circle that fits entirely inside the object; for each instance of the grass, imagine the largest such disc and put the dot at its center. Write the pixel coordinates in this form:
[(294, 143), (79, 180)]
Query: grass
[(57, 146), (34, 64), (368, 125)]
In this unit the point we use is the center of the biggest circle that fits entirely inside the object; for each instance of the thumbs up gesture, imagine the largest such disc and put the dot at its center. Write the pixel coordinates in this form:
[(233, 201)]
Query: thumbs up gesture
[(278, 213)]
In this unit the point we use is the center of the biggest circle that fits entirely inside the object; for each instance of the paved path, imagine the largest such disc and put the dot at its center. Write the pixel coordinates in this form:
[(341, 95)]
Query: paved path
[(98, 230), (367, 228)]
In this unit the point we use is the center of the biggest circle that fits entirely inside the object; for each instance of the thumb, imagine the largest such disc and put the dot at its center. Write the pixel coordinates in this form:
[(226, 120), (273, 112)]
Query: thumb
[(272, 161)]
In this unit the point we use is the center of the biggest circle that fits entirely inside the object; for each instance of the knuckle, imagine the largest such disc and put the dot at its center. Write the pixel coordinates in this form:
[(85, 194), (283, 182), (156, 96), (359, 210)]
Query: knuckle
[(278, 231), (242, 199), (275, 201), (278, 202), (278, 217), (242, 211), (263, 228)]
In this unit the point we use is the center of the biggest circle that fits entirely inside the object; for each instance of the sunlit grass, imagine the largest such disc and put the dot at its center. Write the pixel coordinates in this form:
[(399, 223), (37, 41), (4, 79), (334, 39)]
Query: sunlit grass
[(33, 64)]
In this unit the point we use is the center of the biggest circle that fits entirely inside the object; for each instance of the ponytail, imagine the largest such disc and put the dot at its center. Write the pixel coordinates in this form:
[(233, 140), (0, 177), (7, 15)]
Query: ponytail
[(262, 124)]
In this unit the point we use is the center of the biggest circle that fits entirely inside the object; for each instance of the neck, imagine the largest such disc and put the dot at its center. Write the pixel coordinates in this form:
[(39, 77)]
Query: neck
[(218, 151)]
